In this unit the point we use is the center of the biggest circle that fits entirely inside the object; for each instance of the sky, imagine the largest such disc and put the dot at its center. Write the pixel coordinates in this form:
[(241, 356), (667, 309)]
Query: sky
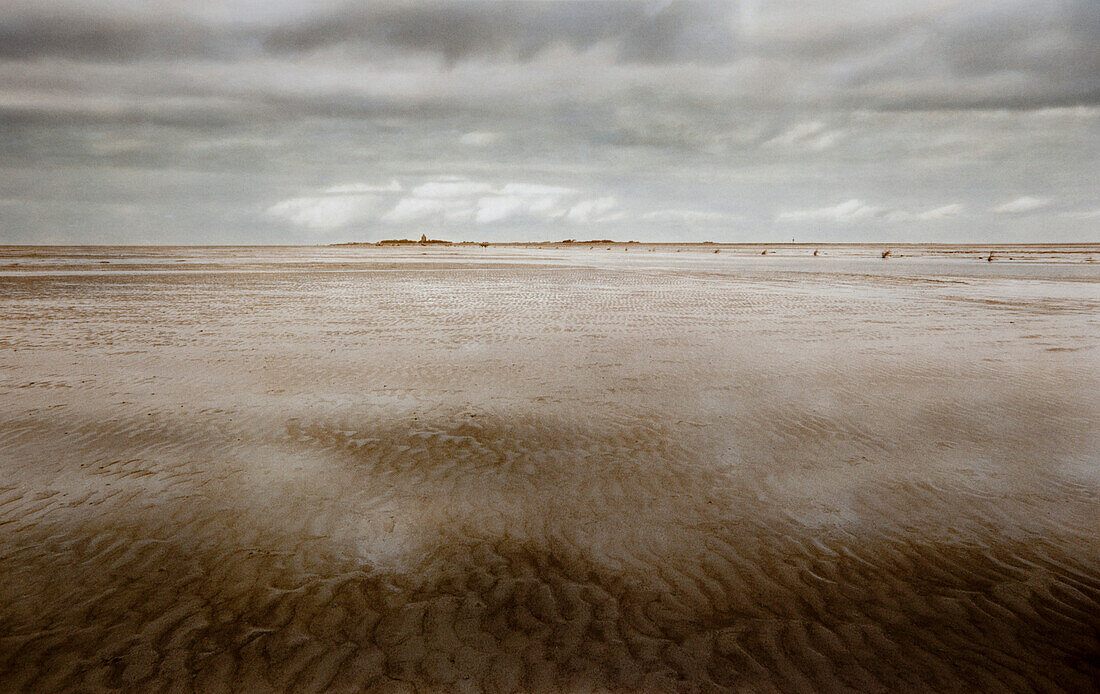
[(271, 121)]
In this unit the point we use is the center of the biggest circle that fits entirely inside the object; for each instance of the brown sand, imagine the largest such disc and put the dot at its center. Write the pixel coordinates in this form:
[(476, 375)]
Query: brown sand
[(514, 469)]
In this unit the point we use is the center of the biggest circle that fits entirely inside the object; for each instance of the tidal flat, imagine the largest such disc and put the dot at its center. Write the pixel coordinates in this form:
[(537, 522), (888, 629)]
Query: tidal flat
[(612, 467)]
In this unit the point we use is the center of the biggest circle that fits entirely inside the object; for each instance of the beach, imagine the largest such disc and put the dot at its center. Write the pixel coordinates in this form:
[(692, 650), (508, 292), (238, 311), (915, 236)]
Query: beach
[(548, 467)]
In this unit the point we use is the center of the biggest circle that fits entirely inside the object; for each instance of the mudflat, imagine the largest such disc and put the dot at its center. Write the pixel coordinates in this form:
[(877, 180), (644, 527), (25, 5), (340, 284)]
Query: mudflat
[(539, 468)]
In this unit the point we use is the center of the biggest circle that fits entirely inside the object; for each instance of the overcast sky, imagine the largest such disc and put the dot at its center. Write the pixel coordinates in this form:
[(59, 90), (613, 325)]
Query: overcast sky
[(271, 121)]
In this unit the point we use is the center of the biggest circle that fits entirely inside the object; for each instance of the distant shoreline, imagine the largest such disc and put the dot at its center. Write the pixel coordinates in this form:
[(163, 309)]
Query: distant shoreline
[(1091, 245), (1076, 246)]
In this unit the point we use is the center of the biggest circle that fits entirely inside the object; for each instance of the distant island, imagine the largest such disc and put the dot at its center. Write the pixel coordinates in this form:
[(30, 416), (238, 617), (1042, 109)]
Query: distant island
[(424, 241)]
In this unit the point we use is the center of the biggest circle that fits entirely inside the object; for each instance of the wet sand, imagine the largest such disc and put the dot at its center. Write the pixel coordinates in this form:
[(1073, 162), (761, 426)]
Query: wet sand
[(550, 469)]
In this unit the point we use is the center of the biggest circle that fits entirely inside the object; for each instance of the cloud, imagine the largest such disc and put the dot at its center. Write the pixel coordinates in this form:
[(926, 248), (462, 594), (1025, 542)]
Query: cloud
[(942, 212), (1082, 214), (479, 139), (517, 201), (645, 32), (655, 114), (1021, 205), (887, 54), (460, 200), (845, 212), (412, 210), (593, 211), (323, 213), (857, 211), (536, 189), (450, 189), (690, 216), (500, 208), (360, 188), (336, 206), (446, 200), (811, 135)]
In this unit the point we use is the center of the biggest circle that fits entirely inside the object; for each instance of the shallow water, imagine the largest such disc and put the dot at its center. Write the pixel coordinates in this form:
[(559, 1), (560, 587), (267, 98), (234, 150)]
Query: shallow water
[(517, 469)]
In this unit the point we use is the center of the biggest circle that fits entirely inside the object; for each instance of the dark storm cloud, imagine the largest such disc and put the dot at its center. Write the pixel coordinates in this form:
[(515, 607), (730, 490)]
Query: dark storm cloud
[(990, 55), (644, 31), (948, 54), (1057, 38), (99, 39)]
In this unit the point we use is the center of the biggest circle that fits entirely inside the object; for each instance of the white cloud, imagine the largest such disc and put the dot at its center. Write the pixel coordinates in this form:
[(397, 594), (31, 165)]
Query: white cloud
[(499, 208), (354, 188), (690, 216), (479, 139), (413, 209), (336, 206), (450, 188), (593, 211), (856, 211), (444, 200), (455, 200), (525, 201), (536, 189), (942, 212), (1082, 214), (326, 212), (850, 211), (1021, 205), (812, 135)]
